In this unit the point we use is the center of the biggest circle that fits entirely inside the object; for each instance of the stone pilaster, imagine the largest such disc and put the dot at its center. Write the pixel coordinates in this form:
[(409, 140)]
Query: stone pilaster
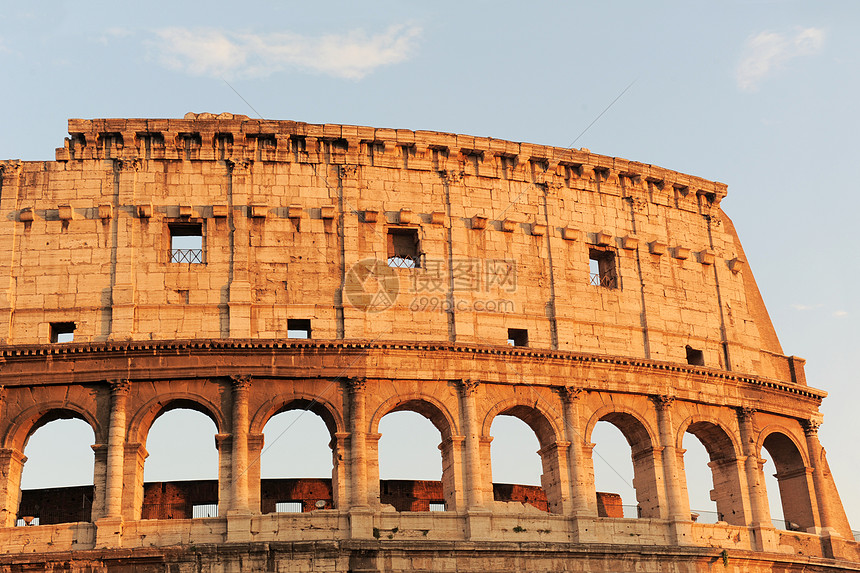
[(473, 473), (583, 501), (116, 449), (239, 469), (11, 465), (825, 516), (679, 505), (358, 442), (766, 538)]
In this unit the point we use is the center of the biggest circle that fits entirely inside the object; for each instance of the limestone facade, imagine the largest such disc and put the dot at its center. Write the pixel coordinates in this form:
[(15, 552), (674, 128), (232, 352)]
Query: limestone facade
[(459, 277)]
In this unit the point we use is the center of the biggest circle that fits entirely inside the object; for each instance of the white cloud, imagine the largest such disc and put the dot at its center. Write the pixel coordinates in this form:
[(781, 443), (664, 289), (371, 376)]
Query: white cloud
[(767, 52), (840, 313), (212, 52)]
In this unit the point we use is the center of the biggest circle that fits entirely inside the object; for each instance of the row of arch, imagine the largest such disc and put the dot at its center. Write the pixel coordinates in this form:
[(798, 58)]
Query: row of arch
[(565, 450)]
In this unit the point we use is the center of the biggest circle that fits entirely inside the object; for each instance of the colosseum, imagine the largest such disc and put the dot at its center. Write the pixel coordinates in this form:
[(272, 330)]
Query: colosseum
[(242, 268)]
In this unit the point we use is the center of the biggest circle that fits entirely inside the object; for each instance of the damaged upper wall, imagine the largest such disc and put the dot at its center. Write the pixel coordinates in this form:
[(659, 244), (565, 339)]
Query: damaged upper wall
[(552, 248)]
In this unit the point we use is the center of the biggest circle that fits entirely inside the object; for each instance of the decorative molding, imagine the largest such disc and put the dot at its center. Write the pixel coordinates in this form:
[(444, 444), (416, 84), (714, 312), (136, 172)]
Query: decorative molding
[(241, 382), (468, 386), (662, 401)]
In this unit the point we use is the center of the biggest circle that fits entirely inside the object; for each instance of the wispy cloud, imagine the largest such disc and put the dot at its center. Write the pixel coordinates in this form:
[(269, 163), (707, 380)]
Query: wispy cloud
[(840, 313), (767, 52), (213, 52)]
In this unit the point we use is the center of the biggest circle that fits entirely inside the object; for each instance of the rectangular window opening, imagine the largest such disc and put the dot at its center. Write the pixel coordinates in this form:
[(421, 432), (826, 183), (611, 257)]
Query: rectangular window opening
[(601, 268), (518, 337), (62, 332), (288, 507), (437, 506), (403, 251), (298, 328), (186, 243), (695, 357), (204, 510)]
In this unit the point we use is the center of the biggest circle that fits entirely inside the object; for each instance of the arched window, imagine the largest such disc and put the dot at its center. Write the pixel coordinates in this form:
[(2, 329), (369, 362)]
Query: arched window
[(640, 449), (714, 475), (181, 475), (410, 469), (613, 472), (516, 463), (57, 479), (296, 466), (793, 483), (700, 482)]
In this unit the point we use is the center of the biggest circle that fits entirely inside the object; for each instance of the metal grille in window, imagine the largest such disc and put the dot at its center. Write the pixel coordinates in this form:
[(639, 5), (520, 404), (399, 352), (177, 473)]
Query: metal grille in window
[(288, 507), (204, 510), (186, 256), (403, 262), (602, 268), (403, 251)]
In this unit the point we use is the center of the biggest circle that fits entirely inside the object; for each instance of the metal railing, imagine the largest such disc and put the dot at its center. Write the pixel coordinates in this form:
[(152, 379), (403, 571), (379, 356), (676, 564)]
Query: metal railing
[(193, 256), (403, 262), (54, 515), (604, 280)]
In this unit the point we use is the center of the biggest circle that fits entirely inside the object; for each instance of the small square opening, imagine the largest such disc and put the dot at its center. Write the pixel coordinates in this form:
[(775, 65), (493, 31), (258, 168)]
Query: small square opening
[(695, 357), (62, 332), (186, 243), (288, 507), (403, 251), (298, 328), (518, 337), (601, 268)]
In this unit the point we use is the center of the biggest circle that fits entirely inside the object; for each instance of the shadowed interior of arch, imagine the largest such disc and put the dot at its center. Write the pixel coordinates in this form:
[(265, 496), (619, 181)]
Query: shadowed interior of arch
[(59, 455), (787, 483)]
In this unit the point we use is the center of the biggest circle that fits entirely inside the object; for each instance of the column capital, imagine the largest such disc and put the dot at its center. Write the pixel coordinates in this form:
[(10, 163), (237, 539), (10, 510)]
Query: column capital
[(745, 413), (468, 386), (569, 393), (810, 427), (355, 383), (348, 171), (119, 387), (662, 401), (451, 175), (241, 382)]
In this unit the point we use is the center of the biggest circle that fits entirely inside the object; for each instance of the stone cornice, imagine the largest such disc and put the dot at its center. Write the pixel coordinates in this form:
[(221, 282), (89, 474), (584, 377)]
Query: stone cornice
[(349, 144), (71, 351)]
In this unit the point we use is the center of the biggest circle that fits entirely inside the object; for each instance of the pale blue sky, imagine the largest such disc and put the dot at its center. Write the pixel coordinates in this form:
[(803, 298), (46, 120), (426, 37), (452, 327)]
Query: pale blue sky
[(759, 95)]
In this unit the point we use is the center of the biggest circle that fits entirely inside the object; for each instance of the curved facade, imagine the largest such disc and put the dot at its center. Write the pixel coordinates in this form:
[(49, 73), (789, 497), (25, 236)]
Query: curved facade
[(161, 264)]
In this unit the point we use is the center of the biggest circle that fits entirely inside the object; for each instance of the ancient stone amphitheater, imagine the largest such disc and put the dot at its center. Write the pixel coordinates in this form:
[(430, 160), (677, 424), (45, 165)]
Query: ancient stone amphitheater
[(171, 263)]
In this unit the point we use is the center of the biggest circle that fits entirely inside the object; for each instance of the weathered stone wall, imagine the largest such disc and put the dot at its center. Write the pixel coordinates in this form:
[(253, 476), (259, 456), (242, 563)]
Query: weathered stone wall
[(302, 223), (286, 210)]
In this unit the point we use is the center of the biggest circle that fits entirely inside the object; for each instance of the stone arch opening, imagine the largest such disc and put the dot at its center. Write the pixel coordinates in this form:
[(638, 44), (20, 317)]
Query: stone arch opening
[(552, 459), (794, 479), (644, 461), (726, 472), (181, 478), (415, 474), (57, 480), (295, 456)]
